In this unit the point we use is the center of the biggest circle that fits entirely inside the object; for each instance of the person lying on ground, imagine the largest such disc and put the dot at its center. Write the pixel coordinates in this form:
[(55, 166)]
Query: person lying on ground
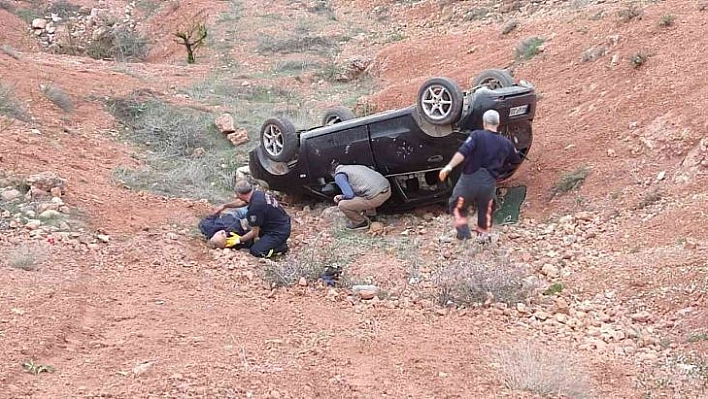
[(224, 230)]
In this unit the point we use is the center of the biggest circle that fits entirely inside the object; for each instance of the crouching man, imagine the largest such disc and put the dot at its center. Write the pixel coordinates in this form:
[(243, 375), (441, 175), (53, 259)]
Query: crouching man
[(363, 190), (269, 224)]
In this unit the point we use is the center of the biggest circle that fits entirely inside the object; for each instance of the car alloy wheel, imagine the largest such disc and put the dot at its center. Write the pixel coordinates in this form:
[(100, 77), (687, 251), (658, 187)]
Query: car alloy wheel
[(437, 102), (440, 101), (279, 139), (273, 140)]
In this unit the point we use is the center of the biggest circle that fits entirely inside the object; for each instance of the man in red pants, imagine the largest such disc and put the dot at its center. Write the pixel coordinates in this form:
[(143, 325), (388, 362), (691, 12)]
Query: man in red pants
[(485, 153)]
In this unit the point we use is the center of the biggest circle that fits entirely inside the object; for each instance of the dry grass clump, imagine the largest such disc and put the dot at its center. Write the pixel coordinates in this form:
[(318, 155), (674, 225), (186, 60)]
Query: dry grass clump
[(309, 262), (58, 96), (10, 106), (7, 49), (571, 180), (474, 279), (119, 42), (26, 257), (638, 59), (529, 48), (667, 20), (530, 367), (632, 11)]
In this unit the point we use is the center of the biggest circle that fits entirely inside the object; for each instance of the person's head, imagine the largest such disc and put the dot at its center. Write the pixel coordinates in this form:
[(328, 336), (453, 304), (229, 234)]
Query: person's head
[(243, 190), (218, 240), (490, 120), (332, 169)]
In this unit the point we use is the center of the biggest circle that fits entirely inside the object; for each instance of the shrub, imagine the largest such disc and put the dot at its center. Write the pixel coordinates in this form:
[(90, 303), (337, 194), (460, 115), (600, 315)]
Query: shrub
[(474, 14), (649, 198), (58, 96), (119, 42), (629, 13), (7, 6), (593, 53), (9, 106), (7, 49), (474, 280), (530, 367), (26, 257), (528, 48), (310, 263), (571, 180), (323, 7), (294, 66), (667, 20), (331, 72), (638, 59), (63, 8), (234, 13)]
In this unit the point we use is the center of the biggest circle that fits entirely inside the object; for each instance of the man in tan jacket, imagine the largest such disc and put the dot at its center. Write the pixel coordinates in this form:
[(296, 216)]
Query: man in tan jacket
[(363, 190)]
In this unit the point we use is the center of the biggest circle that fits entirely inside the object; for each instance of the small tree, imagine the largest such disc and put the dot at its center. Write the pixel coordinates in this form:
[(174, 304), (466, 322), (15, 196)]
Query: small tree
[(192, 38)]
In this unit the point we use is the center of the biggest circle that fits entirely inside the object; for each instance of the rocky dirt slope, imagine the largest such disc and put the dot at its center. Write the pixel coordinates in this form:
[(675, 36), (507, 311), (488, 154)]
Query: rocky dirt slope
[(598, 292)]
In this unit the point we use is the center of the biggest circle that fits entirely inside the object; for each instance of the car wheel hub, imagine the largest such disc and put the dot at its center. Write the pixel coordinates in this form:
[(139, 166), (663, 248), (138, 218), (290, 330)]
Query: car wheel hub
[(437, 102), (273, 140)]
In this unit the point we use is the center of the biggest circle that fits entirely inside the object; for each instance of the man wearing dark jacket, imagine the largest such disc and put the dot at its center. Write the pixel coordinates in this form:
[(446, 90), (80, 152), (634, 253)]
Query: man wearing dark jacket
[(269, 223), (485, 154)]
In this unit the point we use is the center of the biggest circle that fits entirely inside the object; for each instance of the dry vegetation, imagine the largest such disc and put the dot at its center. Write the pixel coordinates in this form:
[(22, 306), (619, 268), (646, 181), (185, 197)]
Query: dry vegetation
[(549, 373)]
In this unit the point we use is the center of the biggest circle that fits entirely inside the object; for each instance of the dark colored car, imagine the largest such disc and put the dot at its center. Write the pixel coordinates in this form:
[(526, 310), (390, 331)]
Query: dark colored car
[(409, 146)]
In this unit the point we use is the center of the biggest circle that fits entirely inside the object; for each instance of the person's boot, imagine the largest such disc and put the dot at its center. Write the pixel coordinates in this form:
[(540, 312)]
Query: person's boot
[(370, 214), (463, 232), (357, 226)]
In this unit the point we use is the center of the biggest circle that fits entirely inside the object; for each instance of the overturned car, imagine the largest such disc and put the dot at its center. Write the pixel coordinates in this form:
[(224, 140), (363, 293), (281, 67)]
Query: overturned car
[(409, 146)]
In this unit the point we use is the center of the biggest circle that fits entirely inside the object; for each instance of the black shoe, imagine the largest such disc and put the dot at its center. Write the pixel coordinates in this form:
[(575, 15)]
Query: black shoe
[(463, 232), (280, 251), (360, 226)]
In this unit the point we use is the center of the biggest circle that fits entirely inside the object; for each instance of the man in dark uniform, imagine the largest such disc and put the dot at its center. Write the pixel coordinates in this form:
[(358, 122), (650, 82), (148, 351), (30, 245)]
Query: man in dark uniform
[(485, 154), (270, 224)]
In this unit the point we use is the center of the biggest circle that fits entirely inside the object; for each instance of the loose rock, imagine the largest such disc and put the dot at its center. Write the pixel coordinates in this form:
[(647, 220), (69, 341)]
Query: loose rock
[(225, 123)]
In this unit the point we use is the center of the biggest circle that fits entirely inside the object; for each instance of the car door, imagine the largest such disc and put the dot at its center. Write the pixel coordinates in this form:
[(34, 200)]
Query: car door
[(400, 146), (341, 143)]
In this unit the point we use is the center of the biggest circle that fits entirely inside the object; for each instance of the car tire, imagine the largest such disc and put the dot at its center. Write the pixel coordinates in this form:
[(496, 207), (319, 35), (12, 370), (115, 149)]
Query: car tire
[(493, 79), (336, 115), (440, 101), (278, 139)]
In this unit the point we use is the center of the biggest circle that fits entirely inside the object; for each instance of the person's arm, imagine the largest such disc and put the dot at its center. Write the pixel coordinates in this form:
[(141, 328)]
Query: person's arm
[(343, 183), (465, 150), (251, 235), (513, 156), (237, 203), (457, 159)]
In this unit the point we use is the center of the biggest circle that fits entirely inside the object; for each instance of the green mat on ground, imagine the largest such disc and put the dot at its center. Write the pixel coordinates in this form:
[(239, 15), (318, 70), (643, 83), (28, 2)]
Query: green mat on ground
[(508, 204)]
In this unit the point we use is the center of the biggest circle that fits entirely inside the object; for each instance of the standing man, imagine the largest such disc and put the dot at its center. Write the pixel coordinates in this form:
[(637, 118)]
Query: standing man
[(485, 153), (270, 224), (363, 190)]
